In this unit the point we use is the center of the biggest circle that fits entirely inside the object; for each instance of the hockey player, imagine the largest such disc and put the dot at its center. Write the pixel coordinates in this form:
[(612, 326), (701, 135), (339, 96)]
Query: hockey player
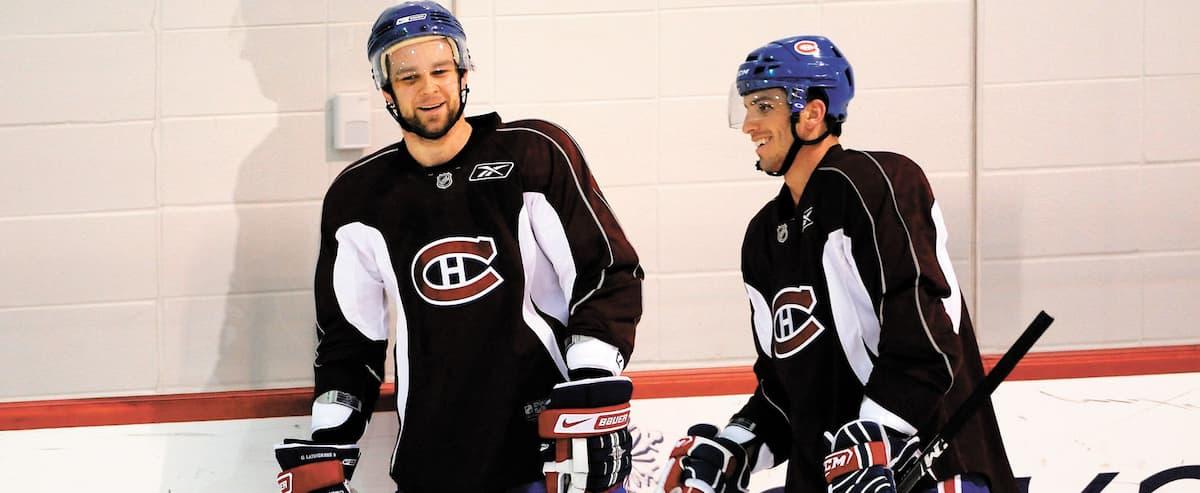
[(514, 294), (864, 344)]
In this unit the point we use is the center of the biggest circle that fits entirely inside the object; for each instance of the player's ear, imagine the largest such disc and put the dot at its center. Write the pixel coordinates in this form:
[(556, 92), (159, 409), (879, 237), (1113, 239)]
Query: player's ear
[(816, 110), (387, 97)]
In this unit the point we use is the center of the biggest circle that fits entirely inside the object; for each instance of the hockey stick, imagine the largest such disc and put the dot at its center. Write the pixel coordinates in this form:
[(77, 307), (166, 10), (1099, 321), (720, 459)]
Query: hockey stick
[(941, 440)]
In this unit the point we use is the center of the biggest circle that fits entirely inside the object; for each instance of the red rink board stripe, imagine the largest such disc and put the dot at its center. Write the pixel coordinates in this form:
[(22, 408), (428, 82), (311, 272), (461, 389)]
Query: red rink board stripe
[(245, 404)]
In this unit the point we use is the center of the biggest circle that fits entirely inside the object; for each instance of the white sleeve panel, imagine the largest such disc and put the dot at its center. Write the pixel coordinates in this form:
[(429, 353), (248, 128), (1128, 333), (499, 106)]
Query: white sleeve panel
[(542, 288), (357, 282), (853, 315), (760, 314), (953, 303), (551, 288)]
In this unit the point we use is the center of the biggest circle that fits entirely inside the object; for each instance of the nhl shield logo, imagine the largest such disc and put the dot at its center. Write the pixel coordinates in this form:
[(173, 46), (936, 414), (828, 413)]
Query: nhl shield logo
[(444, 180), (781, 232)]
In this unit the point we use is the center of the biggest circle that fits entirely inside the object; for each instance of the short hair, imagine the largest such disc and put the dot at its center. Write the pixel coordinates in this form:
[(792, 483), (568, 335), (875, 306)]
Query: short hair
[(834, 126)]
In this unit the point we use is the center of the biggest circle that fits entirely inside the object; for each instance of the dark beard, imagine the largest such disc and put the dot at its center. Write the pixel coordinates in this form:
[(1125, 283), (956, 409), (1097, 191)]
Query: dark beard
[(432, 133)]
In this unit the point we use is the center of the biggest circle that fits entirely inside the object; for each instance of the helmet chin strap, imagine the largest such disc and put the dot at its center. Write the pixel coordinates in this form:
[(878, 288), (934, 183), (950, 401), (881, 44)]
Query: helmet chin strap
[(462, 105), (797, 143)]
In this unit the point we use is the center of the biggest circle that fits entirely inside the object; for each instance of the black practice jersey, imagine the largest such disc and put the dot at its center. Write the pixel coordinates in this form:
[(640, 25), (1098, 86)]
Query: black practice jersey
[(856, 312), (488, 264)]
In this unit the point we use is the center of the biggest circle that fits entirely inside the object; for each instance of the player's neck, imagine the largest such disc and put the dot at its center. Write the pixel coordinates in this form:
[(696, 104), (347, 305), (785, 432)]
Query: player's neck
[(805, 162), (432, 152)]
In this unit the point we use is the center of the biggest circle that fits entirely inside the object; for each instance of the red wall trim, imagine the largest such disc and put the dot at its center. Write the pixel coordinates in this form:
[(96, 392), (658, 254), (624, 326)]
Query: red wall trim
[(209, 406)]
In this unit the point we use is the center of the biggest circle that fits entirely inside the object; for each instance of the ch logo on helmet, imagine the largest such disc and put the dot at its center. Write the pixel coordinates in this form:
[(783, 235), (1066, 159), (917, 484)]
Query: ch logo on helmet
[(794, 324), (455, 270), (806, 47)]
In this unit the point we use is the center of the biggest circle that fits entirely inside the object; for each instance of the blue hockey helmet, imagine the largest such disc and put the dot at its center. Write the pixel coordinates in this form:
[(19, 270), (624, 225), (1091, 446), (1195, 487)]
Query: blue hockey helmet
[(795, 64), (411, 20)]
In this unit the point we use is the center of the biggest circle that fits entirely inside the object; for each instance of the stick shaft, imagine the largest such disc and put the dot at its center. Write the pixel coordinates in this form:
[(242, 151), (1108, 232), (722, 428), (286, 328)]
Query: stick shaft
[(941, 440)]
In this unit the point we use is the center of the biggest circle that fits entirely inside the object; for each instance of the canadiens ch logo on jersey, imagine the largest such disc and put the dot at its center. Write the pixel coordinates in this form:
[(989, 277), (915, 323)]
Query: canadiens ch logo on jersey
[(455, 270), (794, 324)]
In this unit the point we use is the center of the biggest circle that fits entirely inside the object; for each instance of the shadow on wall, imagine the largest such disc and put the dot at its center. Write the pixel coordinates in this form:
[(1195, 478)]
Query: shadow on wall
[(266, 335)]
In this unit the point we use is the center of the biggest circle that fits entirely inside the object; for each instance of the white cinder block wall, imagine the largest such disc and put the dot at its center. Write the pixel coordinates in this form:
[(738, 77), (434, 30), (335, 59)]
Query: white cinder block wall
[(165, 160)]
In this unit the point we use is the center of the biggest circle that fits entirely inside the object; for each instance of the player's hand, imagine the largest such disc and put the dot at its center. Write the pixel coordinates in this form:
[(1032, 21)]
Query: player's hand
[(586, 444), (705, 462), (864, 456), (311, 467)]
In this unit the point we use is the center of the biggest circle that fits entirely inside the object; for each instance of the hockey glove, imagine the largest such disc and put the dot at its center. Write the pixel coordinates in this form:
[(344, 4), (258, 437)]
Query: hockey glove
[(864, 456), (310, 467), (708, 463), (586, 446)]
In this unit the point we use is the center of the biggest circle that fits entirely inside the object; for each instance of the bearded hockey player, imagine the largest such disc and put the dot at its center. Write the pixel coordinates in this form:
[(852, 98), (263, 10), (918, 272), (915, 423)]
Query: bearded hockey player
[(513, 293), (864, 344)]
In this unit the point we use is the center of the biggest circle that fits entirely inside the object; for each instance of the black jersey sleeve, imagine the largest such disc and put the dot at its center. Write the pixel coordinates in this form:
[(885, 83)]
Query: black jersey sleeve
[(351, 305), (597, 266), (899, 250)]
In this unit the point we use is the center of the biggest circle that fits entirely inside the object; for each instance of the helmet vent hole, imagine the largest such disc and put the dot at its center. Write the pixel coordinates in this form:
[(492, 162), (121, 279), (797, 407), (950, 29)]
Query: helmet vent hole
[(759, 69)]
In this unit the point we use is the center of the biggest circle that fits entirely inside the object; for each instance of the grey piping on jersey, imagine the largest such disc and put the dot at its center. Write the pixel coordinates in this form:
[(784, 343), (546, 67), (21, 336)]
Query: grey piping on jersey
[(583, 196), (618, 221), (373, 374), (365, 161), (874, 238), (916, 264), (763, 388)]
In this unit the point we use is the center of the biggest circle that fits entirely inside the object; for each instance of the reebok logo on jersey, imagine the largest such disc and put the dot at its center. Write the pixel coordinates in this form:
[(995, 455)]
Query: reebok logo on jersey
[(455, 270), (794, 324), (491, 171)]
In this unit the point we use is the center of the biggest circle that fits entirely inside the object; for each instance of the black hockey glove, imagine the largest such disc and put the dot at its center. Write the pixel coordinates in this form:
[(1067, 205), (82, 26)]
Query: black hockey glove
[(708, 463), (586, 446), (310, 467), (864, 456)]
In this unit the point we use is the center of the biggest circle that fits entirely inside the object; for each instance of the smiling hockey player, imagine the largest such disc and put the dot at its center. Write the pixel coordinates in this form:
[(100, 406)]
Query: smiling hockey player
[(864, 344), (514, 293)]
